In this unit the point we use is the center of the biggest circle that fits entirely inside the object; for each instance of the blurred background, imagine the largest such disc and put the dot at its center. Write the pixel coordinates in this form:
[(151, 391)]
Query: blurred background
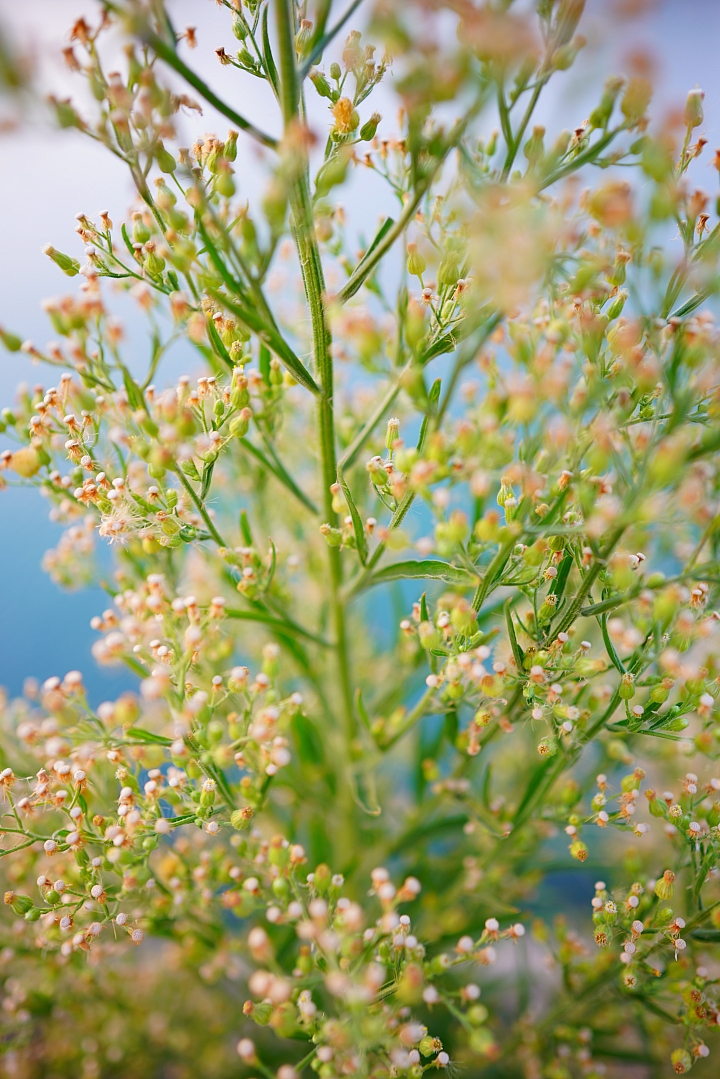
[(48, 176)]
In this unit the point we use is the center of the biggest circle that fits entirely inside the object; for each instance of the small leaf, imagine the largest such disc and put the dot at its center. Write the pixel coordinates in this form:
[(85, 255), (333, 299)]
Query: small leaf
[(267, 52), (148, 737), (428, 568), (245, 528), (360, 538)]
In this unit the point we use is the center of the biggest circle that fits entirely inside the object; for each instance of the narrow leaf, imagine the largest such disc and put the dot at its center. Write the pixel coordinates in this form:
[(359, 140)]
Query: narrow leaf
[(272, 338), (428, 568), (360, 538), (267, 52)]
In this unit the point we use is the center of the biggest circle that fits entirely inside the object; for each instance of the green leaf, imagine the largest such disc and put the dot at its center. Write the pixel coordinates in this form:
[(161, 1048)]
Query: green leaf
[(427, 568), (360, 538), (218, 346), (516, 649), (694, 302), (128, 241), (272, 338), (424, 615), (378, 237), (206, 479), (361, 710), (267, 52), (710, 935), (133, 391), (245, 528), (149, 737), (433, 398)]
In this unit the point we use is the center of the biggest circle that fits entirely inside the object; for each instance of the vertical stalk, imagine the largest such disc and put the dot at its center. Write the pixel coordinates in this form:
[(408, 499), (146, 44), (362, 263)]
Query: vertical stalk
[(314, 283)]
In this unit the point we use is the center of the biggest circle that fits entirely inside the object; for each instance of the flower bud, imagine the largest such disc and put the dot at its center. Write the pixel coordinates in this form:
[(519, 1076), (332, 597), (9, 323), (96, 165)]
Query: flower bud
[(693, 115), (393, 432), (11, 341), (416, 264), (681, 1061), (25, 461), (369, 128), (241, 818), (656, 805), (303, 37), (578, 850), (66, 263), (240, 424), (320, 83), (635, 100), (322, 878), (239, 28), (333, 536), (166, 161), (665, 887), (331, 174), (615, 308)]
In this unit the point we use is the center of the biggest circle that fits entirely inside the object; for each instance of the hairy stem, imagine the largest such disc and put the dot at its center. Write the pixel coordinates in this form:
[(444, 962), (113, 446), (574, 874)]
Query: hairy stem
[(314, 283)]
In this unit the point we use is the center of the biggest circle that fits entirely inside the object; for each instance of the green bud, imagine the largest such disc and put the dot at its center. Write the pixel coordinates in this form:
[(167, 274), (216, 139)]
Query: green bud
[(627, 686), (166, 161), (66, 263), (230, 151), (335, 71), (224, 183), (320, 83), (171, 525), (694, 109), (322, 878), (140, 231), (11, 341), (656, 805), (240, 424), (416, 264), (635, 100), (615, 308), (665, 887), (241, 818), (239, 28), (21, 904), (534, 148), (600, 115), (429, 636), (190, 469), (280, 887), (303, 37), (449, 270), (439, 964), (369, 128), (262, 1013), (331, 174), (278, 855), (681, 1061), (333, 536)]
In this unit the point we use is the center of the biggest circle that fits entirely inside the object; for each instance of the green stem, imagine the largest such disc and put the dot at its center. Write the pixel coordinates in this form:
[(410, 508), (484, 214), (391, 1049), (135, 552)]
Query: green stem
[(314, 284), (201, 509)]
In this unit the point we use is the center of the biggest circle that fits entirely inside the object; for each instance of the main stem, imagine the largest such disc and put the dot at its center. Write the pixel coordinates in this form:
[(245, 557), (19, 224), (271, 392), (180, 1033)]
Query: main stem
[(314, 283)]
